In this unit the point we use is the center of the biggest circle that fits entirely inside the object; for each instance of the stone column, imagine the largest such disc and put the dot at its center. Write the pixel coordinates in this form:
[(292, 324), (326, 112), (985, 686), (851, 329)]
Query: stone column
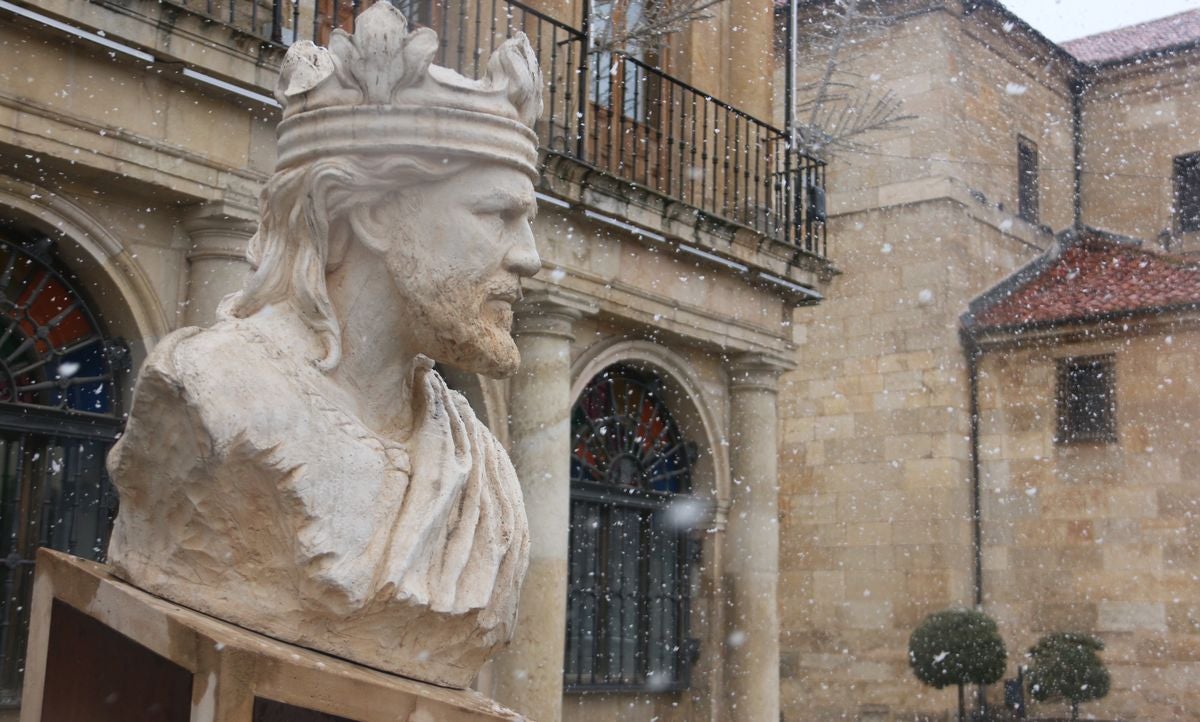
[(217, 263), (752, 31), (752, 551), (528, 676)]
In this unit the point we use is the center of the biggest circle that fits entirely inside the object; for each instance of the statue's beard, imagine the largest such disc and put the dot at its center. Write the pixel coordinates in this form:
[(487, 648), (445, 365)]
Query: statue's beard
[(473, 335), (481, 348)]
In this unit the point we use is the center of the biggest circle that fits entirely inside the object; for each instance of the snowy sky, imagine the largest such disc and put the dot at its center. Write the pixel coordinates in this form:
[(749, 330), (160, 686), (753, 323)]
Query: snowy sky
[(1062, 20)]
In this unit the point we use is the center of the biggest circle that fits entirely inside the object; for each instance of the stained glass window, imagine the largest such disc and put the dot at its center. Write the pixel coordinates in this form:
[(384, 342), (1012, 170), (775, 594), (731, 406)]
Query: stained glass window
[(632, 538), (59, 414)]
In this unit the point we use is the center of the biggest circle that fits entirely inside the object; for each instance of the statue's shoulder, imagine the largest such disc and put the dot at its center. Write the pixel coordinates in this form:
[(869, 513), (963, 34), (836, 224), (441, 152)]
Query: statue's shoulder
[(159, 374), (221, 368), (192, 353)]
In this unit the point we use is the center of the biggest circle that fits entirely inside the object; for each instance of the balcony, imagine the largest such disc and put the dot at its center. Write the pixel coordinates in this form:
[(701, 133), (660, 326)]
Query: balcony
[(608, 111)]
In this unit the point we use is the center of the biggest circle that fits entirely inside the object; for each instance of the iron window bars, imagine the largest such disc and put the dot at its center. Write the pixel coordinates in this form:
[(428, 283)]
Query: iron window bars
[(1187, 193), (1028, 186), (632, 551), (59, 415), (1087, 403), (609, 110)]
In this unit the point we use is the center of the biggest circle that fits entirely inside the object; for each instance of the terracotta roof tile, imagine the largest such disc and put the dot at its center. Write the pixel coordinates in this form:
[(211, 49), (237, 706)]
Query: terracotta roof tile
[(1093, 277), (1134, 39)]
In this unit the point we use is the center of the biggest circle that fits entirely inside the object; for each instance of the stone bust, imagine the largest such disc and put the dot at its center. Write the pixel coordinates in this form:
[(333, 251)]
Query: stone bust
[(299, 468)]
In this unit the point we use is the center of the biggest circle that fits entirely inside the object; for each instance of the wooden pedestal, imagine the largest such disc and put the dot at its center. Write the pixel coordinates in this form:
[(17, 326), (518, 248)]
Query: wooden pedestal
[(101, 650)]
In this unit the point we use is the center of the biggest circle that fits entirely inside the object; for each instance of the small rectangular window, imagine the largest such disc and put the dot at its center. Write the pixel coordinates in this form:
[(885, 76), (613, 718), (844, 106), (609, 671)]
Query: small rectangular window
[(1086, 400), (1027, 180), (1187, 192)]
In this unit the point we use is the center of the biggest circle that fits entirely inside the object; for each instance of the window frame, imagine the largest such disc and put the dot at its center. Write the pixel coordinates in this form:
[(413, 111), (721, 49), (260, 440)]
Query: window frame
[(1028, 181), (1186, 220), (1068, 428), (54, 487), (618, 85), (605, 500)]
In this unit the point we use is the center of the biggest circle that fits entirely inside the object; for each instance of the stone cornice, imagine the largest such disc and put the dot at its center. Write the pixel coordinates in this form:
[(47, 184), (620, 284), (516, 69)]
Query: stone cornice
[(550, 311), (672, 221), (127, 154), (171, 32), (756, 372), (218, 230), (646, 308)]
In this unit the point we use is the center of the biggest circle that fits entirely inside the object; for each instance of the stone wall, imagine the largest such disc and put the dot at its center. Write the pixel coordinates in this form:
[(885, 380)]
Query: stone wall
[(875, 453), (1137, 118), (1007, 85), (970, 87), (1099, 537), (875, 459)]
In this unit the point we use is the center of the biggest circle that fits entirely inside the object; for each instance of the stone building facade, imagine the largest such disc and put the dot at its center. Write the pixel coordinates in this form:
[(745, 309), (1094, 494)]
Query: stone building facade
[(135, 138), (1086, 402), (879, 450), (828, 448)]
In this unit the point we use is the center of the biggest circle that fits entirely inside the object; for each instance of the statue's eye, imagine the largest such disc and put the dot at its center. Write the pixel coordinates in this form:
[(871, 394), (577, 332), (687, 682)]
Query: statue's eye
[(509, 213), (510, 216), (490, 214)]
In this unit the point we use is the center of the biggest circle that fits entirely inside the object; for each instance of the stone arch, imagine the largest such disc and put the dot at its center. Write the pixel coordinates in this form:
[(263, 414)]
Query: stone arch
[(123, 293), (701, 414), (697, 413)]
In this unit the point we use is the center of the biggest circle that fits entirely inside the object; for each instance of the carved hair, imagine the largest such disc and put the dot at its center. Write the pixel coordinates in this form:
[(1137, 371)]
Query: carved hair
[(306, 225)]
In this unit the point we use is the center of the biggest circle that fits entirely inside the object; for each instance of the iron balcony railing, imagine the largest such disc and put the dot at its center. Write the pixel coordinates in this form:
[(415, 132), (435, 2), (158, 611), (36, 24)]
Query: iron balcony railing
[(611, 111)]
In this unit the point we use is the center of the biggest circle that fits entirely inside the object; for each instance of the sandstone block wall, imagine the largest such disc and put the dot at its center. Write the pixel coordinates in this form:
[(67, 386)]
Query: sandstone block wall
[(1099, 537), (875, 466), (1137, 118), (875, 462)]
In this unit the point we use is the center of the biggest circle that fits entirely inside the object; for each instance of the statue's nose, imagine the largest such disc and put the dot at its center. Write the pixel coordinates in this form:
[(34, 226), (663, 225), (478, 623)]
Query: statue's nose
[(522, 258)]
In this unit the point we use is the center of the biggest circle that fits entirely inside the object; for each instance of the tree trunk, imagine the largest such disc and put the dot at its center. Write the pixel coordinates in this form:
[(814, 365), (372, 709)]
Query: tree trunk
[(1074, 710), (962, 707)]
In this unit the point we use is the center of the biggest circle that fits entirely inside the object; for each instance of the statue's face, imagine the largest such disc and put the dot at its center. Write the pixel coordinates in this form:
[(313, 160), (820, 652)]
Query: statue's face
[(458, 250)]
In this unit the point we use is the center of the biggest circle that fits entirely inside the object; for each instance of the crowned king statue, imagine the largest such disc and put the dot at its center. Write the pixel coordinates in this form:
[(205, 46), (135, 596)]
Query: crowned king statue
[(299, 468)]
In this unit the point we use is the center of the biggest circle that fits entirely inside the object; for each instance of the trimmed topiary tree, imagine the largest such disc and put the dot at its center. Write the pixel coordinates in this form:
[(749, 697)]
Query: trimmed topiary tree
[(957, 646), (1067, 666)]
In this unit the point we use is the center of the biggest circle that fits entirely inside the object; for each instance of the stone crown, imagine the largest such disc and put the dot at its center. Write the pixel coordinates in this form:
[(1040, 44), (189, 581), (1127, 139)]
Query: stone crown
[(378, 91)]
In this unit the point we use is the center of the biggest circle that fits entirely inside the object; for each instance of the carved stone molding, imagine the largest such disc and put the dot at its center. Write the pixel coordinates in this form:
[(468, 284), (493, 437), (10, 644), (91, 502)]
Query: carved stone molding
[(218, 231), (756, 372), (550, 312)]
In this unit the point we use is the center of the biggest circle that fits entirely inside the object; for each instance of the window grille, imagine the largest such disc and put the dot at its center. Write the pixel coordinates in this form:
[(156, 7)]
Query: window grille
[(632, 550), (1187, 192), (1027, 180), (1086, 400), (59, 415)]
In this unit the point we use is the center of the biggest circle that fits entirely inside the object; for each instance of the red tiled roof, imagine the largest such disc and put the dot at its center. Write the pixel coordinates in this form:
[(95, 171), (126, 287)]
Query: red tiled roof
[(1135, 39), (1096, 276)]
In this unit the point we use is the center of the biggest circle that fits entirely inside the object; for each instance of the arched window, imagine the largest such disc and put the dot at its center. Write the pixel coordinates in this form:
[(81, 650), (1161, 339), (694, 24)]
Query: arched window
[(59, 415), (632, 548)]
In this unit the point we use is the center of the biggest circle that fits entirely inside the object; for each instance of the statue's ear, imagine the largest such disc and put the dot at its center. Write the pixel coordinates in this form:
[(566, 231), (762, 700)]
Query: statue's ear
[(364, 224)]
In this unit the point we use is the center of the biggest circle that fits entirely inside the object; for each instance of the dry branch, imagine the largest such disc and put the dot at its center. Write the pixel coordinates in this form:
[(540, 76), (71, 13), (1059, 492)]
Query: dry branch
[(838, 111), (659, 19)]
